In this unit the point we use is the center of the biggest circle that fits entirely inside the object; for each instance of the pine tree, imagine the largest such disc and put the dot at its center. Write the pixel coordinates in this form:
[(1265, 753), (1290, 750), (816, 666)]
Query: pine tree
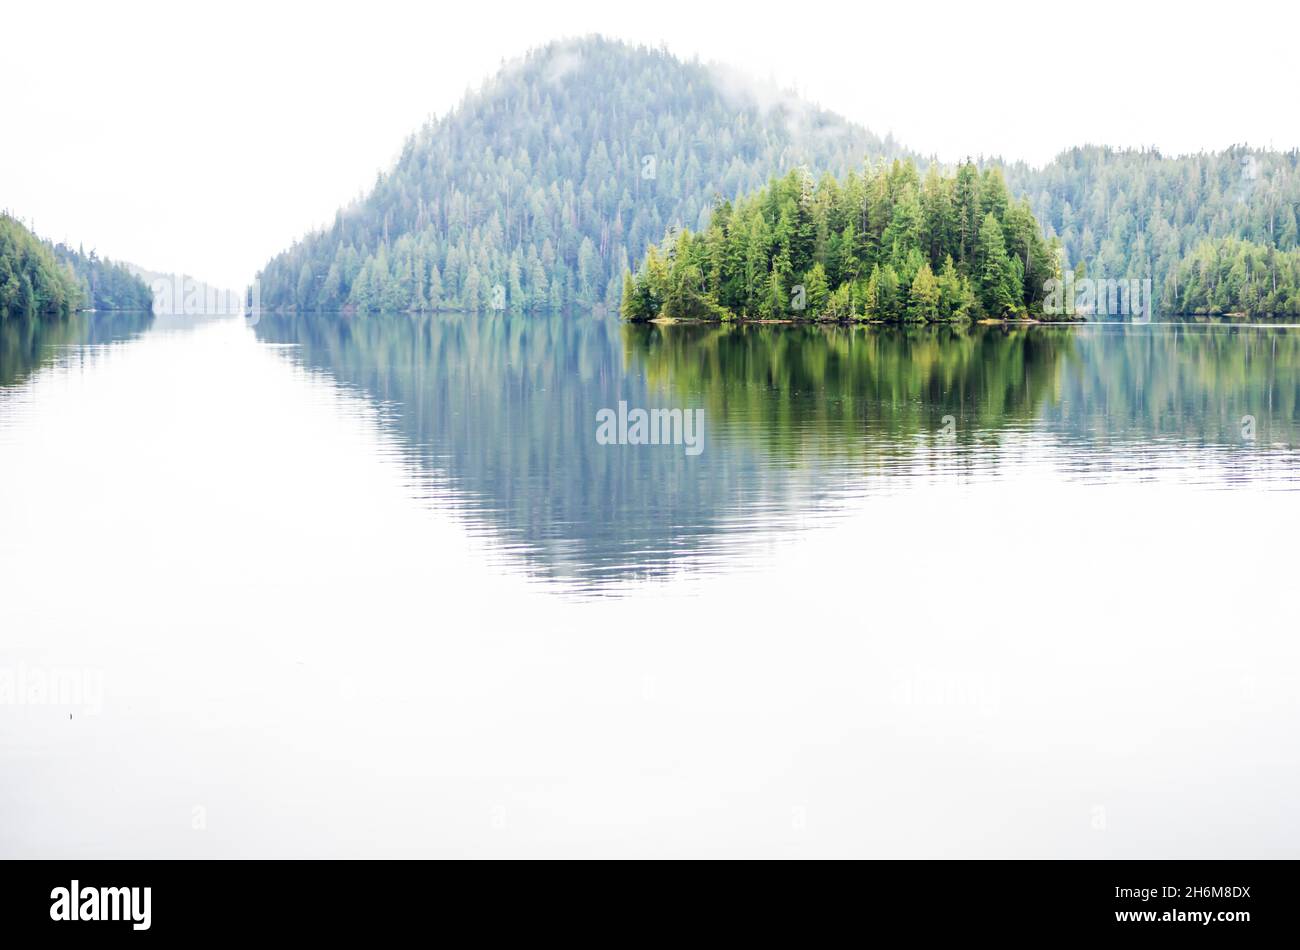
[(923, 299), (816, 292), (995, 274)]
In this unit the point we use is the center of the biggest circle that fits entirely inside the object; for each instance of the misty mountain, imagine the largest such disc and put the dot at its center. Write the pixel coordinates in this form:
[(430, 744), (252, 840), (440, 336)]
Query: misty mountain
[(544, 185), (556, 175)]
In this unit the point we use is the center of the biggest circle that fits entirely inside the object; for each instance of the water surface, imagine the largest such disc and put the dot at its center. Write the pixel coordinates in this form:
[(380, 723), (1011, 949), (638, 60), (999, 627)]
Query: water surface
[(369, 585)]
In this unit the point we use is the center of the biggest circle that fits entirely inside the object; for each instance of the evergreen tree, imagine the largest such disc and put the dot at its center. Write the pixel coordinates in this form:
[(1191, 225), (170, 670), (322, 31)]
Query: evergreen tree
[(923, 300), (996, 277), (816, 291)]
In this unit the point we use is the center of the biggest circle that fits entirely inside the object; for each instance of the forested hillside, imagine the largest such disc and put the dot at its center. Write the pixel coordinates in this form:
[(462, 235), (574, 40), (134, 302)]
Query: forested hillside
[(1126, 213), (566, 166), (878, 246), (552, 179), (33, 282), (1232, 276), (38, 278), (105, 285)]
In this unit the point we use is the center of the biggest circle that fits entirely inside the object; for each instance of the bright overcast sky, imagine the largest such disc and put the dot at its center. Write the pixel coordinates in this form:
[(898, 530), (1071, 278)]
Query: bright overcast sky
[(206, 137)]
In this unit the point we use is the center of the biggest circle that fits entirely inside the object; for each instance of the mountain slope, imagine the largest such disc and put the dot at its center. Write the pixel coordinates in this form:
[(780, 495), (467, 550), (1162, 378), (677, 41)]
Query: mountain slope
[(39, 278), (552, 178)]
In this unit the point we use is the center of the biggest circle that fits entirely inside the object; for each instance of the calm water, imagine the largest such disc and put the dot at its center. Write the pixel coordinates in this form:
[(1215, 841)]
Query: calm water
[(370, 586)]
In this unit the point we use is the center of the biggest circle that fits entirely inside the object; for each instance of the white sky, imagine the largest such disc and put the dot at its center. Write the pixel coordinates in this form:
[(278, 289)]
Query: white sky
[(206, 137)]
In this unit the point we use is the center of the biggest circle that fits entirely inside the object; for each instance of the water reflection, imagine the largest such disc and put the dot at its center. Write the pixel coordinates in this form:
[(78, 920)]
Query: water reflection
[(874, 394), (1184, 386), (881, 392), (499, 411), (27, 345)]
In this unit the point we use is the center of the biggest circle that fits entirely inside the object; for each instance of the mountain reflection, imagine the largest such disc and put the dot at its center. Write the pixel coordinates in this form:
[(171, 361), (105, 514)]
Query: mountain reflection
[(500, 409)]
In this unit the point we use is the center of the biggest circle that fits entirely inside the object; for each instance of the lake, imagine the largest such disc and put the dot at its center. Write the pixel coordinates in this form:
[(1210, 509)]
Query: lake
[(372, 586)]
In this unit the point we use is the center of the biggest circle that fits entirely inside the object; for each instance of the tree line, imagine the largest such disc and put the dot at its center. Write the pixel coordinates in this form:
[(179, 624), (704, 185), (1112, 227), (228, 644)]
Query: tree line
[(1231, 276)]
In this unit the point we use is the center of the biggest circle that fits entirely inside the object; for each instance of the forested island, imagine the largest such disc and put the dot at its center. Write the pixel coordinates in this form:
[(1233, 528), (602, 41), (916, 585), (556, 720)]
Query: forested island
[(879, 246), (1230, 276), (43, 280)]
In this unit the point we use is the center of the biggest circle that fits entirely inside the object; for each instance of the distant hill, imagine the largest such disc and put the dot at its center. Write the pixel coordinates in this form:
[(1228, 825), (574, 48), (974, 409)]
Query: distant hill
[(541, 187)]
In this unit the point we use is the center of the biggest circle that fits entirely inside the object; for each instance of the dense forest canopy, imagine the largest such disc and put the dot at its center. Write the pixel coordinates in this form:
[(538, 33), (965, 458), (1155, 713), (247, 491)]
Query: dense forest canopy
[(1132, 213), (883, 245), (40, 279), (1238, 277), (544, 185), (33, 282)]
